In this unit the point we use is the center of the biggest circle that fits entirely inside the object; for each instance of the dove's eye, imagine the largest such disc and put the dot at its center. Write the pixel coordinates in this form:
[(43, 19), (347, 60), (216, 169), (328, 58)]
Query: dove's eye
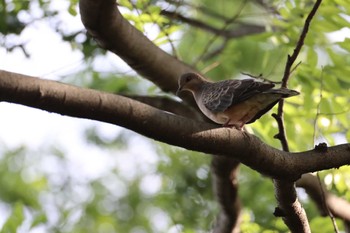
[(188, 78)]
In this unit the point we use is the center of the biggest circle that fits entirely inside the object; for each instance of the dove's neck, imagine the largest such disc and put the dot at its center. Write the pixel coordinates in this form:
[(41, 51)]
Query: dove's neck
[(196, 87), (199, 90)]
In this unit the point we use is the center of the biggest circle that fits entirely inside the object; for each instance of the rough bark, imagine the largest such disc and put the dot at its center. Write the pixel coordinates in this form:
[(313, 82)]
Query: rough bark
[(169, 128), (104, 22), (289, 207), (225, 173)]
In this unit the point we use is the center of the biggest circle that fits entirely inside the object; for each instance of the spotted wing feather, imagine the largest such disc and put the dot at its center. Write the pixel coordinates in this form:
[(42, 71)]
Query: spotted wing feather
[(217, 97)]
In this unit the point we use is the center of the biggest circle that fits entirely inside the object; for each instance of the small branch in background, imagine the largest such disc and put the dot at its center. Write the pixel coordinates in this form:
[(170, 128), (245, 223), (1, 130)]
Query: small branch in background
[(310, 184), (210, 67), (193, 22), (260, 77), (323, 198), (269, 8), (216, 51), (21, 46), (339, 207), (240, 31), (155, 22), (329, 213), (317, 110), (171, 42), (202, 9), (226, 25), (295, 67)]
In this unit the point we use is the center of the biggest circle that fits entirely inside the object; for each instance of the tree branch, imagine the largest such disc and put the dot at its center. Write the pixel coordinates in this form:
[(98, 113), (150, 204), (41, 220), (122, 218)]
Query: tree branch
[(169, 105), (239, 31), (293, 214), (205, 10), (225, 174), (104, 22), (175, 130), (289, 208), (339, 207), (291, 59)]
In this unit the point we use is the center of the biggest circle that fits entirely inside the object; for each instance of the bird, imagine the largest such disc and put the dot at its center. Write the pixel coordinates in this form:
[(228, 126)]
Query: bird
[(232, 103)]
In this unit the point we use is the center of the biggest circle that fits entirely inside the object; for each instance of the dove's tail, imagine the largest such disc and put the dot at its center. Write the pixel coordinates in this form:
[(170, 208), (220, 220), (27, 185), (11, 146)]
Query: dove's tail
[(284, 92), (271, 98)]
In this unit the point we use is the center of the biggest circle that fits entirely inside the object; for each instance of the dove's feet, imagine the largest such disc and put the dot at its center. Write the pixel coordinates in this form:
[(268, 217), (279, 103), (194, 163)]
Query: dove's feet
[(238, 126)]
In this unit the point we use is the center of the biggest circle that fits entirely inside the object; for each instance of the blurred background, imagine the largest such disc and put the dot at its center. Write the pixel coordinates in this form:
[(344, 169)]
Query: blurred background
[(61, 174)]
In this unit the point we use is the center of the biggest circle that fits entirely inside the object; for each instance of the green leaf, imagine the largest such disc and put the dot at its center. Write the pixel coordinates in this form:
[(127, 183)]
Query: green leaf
[(39, 219), (14, 220), (348, 135), (72, 10), (312, 57), (126, 3), (345, 44)]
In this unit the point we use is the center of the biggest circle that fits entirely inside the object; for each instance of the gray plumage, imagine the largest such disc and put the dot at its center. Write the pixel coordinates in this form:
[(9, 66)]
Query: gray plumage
[(233, 102)]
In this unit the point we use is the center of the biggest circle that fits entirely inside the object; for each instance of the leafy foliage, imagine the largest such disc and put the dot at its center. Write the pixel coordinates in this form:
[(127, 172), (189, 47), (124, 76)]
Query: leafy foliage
[(183, 200)]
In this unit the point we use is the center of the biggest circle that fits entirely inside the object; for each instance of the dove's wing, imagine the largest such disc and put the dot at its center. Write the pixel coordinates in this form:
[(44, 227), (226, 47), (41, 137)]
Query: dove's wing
[(275, 96), (217, 97)]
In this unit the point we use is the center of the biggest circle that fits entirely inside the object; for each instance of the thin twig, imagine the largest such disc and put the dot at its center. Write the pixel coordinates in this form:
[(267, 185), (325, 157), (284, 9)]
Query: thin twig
[(155, 22), (295, 67), (317, 110), (291, 59), (204, 10), (210, 67), (260, 77), (217, 51), (334, 113), (228, 22), (335, 226), (299, 217), (171, 42), (323, 195), (287, 71)]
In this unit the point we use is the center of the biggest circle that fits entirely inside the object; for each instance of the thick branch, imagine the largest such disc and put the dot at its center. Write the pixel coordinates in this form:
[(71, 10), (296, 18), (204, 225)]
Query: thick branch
[(169, 105), (104, 22), (153, 123), (290, 208), (225, 174)]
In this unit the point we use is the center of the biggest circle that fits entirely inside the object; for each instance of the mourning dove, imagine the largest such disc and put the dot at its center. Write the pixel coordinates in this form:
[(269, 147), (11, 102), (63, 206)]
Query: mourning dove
[(233, 102)]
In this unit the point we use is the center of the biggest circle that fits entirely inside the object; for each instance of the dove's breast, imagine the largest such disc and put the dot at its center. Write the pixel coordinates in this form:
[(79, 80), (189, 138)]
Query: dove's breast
[(241, 113)]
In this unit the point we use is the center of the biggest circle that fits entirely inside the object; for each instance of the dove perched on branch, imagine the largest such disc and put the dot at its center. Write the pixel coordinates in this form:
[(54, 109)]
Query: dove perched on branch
[(233, 103)]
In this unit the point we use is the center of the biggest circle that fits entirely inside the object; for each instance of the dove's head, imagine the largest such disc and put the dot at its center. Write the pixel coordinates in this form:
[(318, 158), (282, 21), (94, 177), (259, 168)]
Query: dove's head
[(190, 82)]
